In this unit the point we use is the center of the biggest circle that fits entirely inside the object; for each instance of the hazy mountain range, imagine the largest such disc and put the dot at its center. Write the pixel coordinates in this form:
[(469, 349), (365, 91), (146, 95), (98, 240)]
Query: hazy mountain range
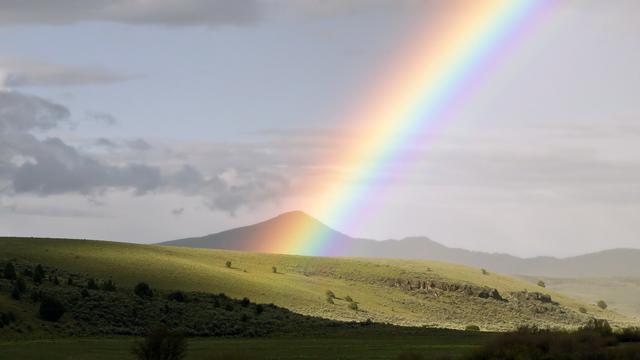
[(257, 237)]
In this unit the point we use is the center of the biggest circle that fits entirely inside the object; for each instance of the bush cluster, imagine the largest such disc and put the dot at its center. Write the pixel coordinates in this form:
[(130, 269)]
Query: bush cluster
[(596, 340)]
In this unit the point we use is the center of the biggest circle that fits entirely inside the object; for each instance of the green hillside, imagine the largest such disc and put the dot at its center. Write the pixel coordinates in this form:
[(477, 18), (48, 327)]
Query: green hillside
[(622, 294), (402, 292)]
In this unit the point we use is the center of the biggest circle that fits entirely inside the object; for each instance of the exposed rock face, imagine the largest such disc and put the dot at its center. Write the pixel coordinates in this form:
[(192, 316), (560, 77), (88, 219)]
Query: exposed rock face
[(533, 296), (435, 285)]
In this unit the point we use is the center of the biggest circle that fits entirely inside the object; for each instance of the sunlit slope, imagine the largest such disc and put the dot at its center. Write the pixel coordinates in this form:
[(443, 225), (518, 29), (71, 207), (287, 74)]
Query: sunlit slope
[(407, 292)]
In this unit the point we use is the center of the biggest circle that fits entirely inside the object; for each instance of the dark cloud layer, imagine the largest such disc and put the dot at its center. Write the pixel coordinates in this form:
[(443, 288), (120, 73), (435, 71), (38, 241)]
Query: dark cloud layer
[(157, 12), (16, 72), (45, 166)]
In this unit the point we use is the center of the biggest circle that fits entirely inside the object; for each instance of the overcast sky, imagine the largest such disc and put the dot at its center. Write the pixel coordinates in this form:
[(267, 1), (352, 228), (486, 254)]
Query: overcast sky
[(148, 121)]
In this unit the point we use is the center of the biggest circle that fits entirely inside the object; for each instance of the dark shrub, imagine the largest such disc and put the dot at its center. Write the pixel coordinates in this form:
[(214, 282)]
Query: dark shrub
[(602, 304), (70, 281), (542, 284), (19, 287), (15, 293), (108, 285), (84, 293), (56, 281), (353, 306), (330, 294), (531, 343), (348, 298), (259, 309), (582, 310), (228, 264), (38, 274), (9, 271), (177, 296), (20, 284), (274, 269), (36, 296), (161, 344), (143, 290), (245, 302), (92, 285), (472, 328), (330, 300), (484, 272), (51, 309), (630, 334), (600, 326)]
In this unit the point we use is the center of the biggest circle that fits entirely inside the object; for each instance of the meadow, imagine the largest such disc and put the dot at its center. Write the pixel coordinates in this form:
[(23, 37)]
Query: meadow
[(341, 345), (399, 292)]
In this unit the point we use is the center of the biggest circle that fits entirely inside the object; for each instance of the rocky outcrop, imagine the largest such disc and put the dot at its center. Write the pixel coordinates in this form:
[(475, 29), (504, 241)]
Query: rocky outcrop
[(441, 285)]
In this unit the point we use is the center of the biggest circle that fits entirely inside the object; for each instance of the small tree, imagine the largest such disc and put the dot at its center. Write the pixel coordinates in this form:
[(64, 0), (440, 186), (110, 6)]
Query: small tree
[(15, 293), (91, 284), (143, 290), (259, 309), (602, 304), (542, 284), (51, 309), (38, 274), (177, 296), (484, 272), (9, 271), (108, 285), (274, 269), (245, 302), (20, 284), (161, 344), (228, 264)]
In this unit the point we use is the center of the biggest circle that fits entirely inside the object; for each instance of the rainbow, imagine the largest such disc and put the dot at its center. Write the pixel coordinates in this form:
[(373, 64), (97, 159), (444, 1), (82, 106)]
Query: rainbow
[(443, 66)]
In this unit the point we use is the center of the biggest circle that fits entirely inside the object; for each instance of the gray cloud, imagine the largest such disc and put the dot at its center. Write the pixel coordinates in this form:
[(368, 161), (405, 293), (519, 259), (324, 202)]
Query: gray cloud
[(101, 118), (31, 164), (189, 12), (139, 144), (106, 143), (157, 12), (16, 73)]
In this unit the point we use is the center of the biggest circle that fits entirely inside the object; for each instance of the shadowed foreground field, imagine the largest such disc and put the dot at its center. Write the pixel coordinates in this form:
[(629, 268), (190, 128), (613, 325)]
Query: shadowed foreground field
[(344, 345)]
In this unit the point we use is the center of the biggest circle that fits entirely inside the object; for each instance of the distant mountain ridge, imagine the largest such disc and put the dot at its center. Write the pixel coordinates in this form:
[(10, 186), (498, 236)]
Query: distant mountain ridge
[(257, 238)]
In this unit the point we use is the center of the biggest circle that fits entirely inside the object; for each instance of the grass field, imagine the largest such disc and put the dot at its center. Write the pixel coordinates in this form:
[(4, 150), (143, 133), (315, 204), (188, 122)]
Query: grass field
[(300, 283), (343, 345), (622, 294)]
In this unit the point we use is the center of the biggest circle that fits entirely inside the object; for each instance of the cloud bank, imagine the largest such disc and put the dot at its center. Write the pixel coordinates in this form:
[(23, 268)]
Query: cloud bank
[(16, 72), (32, 163)]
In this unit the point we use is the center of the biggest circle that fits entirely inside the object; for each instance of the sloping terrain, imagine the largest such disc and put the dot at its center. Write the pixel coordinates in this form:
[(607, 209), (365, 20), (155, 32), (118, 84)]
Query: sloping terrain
[(256, 238), (402, 292), (622, 294)]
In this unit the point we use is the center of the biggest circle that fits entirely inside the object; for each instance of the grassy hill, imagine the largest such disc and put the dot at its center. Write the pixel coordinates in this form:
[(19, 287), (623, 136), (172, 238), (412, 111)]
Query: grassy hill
[(622, 294), (402, 292)]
